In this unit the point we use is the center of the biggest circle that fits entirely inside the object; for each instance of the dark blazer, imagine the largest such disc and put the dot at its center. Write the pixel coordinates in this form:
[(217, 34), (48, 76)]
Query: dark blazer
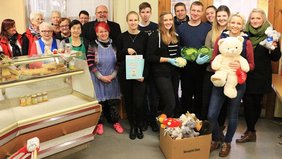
[(88, 31)]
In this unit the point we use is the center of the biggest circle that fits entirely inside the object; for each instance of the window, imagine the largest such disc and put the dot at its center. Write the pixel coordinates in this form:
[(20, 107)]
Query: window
[(68, 8), (242, 6)]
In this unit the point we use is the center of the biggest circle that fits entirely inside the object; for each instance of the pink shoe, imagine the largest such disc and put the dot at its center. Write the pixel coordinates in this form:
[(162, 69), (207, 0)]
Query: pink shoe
[(118, 128), (100, 129)]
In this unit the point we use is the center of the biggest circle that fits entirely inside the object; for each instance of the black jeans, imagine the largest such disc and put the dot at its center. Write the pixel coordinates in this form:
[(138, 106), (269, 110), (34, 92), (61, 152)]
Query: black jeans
[(168, 91), (134, 94), (151, 103), (252, 109)]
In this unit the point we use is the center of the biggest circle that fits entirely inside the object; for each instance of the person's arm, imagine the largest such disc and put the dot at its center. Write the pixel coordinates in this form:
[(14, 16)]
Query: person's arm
[(121, 50), (215, 50), (250, 54), (92, 64), (276, 53), (208, 41), (33, 50)]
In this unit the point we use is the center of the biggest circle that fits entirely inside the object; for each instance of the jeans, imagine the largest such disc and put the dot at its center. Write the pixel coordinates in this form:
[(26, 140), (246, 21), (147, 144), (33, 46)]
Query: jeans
[(216, 103)]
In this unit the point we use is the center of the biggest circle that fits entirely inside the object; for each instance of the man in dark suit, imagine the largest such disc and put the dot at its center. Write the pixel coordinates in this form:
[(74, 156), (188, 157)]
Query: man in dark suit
[(101, 12)]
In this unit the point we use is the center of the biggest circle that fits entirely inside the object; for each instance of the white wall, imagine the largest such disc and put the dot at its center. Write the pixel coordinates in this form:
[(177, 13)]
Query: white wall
[(122, 7)]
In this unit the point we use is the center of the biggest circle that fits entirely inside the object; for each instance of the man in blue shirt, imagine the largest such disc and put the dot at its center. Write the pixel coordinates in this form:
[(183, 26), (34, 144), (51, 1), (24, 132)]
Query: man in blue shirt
[(193, 34)]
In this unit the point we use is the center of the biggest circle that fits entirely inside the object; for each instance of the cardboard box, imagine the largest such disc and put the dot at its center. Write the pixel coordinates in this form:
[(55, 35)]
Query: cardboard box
[(188, 148)]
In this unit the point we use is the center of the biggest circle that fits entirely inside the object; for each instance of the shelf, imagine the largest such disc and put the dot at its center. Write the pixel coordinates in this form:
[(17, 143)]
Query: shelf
[(44, 78), (51, 112)]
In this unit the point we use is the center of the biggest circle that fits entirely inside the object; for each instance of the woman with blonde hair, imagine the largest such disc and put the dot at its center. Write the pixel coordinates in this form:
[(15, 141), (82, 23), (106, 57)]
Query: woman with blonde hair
[(163, 48), (131, 42), (234, 29), (259, 80)]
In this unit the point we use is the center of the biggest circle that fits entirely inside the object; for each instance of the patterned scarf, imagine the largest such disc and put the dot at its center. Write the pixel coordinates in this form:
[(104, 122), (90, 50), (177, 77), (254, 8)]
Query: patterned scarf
[(257, 35), (15, 48), (34, 32)]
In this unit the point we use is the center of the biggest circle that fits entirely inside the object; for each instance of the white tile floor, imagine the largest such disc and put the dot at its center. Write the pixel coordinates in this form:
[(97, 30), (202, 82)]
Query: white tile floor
[(115, 146)]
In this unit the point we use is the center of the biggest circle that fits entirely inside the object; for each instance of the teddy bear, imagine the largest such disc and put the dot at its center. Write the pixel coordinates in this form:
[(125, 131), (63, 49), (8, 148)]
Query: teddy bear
[(230, 49), (272, 36)]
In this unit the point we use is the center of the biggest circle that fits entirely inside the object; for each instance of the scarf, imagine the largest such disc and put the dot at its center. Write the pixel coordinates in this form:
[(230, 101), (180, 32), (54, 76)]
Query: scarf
[(42, 45), (257, 35), (34, 32), (15, 48)]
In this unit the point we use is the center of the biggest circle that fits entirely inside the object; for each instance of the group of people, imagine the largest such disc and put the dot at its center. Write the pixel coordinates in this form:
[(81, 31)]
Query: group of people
[(105, 48)]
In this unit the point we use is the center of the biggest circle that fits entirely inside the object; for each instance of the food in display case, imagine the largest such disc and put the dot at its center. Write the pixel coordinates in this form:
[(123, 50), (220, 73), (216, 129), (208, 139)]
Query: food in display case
[(24, 67), (41, 96)]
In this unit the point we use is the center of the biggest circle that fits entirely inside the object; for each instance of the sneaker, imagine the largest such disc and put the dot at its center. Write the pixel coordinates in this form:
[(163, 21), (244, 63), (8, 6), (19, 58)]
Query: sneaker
[(225, 149), (100, 129), (118, 128)]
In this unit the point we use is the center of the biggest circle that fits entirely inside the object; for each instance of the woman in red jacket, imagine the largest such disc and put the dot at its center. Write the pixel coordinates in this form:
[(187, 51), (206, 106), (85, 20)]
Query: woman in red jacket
[(10, 39), (32, 33)]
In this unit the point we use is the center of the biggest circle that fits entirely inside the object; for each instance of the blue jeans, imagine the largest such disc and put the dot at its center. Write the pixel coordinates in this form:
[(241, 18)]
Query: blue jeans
[(216, 101)]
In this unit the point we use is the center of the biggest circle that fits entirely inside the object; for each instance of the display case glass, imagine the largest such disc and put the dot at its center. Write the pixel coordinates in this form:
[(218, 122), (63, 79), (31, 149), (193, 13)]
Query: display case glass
[(40, 92)]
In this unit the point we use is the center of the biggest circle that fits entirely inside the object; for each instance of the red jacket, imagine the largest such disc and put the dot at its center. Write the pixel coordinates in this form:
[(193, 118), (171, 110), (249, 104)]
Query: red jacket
[(28, 40), (5, 45)]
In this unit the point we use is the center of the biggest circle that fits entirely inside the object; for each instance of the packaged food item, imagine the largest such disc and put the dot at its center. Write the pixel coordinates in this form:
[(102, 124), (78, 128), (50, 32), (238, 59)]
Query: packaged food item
[(68, 48), (22, 101), (39, 97), (28, 100), (34, 99), (45, 96)]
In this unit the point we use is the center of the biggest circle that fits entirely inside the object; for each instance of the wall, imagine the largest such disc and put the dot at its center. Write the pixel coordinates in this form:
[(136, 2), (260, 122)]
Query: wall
[(122, 7), (14, 9)]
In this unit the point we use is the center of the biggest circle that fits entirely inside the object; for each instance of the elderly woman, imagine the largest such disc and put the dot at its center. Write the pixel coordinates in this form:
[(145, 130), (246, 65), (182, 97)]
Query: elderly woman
[(32, 33), (55, 21), (102, 62), (10, 40), (64, 29), (46, 43), (76, 41)]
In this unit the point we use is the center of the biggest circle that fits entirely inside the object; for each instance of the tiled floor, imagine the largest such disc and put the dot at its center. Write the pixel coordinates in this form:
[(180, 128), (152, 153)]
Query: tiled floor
[(115, 146)]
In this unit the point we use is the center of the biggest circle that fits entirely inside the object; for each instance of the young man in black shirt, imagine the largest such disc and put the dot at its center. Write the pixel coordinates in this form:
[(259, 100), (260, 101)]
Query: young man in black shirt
[(151, 97)]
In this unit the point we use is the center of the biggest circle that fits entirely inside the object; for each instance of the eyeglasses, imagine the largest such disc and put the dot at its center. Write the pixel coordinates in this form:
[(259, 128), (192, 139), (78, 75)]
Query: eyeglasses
[(64, 26), (102, 12), (46, 31)]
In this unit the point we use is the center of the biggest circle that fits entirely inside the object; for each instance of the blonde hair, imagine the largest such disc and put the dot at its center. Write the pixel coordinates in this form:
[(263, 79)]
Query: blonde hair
[(132, 12), (258, 10), (237, 15), (163, 31)]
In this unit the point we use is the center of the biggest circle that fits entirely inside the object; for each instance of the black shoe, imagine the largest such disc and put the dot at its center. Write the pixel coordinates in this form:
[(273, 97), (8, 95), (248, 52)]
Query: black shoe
[(132, 134), (139, 133), (155, 126), (145, 126)]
